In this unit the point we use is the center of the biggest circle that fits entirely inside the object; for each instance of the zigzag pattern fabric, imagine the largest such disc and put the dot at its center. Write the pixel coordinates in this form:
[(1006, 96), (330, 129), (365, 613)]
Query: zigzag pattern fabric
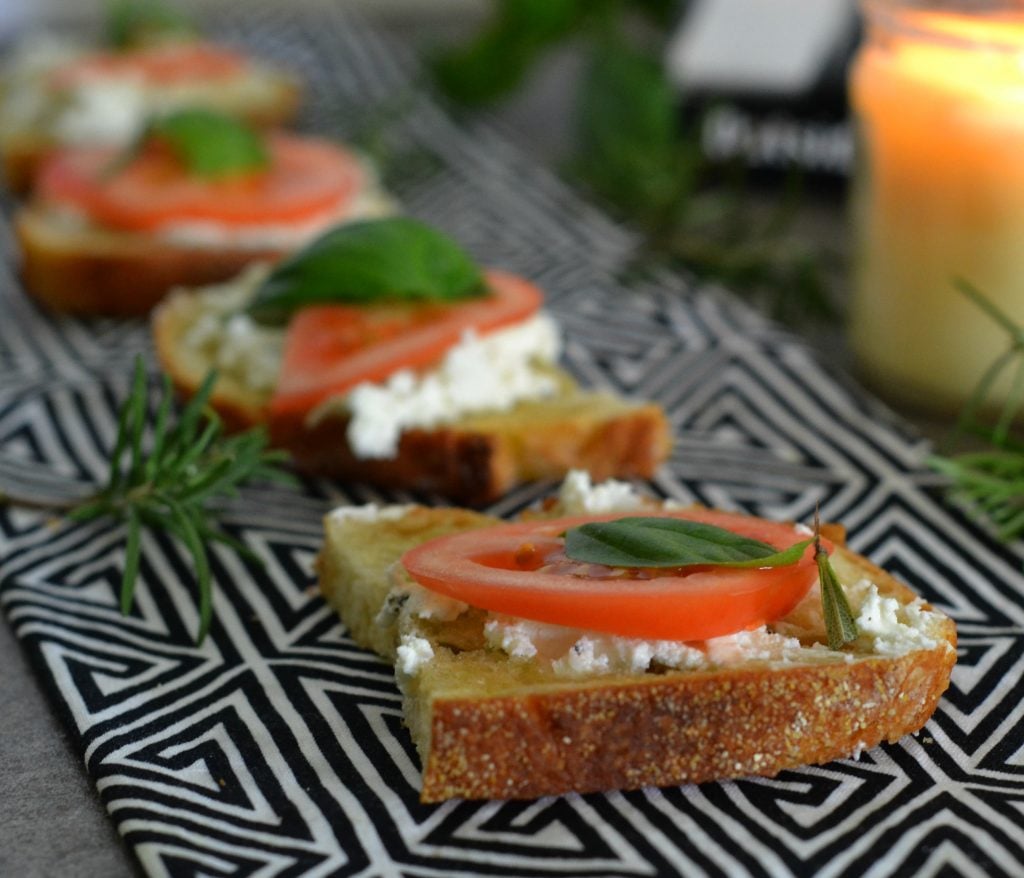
[(276, 748)]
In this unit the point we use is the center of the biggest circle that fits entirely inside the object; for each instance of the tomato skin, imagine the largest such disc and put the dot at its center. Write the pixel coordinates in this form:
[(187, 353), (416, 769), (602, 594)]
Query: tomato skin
[(306, 178), (479, 568), (332, 348)]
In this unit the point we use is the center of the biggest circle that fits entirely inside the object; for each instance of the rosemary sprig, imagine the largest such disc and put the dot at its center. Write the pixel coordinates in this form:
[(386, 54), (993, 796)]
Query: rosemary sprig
[(840, 626), (990, 481), (190, 463)]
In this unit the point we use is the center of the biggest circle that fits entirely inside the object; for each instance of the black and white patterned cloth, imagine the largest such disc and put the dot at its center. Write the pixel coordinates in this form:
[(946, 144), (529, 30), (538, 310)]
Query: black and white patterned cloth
[(277, 748)]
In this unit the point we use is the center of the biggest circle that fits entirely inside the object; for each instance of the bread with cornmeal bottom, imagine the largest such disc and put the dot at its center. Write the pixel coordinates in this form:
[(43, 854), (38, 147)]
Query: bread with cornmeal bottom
[(488, 725)]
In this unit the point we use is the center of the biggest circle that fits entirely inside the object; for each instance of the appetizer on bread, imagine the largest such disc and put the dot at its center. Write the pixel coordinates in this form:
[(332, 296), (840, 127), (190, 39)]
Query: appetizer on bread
[(380, 353), (529, 668), (56, 93), (197, 198)]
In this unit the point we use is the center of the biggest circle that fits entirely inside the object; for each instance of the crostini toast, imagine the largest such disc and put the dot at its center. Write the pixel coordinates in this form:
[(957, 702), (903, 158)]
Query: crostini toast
[(491, 725), (474, 458)]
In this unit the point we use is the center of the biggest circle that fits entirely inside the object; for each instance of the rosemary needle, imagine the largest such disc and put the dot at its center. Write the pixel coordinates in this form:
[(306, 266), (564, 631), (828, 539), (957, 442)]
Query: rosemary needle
[(840, 626), (190, 463)]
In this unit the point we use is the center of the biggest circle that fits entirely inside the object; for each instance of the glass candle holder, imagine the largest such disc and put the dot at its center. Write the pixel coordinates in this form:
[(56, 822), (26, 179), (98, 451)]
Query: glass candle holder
[(937, 91)]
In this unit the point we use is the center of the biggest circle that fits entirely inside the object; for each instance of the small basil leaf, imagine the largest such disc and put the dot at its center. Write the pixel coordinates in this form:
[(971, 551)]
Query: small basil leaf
[(396, 259), (671, 542), (210, 144)]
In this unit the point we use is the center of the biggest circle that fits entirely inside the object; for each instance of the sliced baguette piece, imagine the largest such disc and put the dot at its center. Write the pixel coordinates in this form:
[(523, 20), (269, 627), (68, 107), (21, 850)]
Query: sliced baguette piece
[(88, 270), (72, 265), (473, 460), (488, 726)]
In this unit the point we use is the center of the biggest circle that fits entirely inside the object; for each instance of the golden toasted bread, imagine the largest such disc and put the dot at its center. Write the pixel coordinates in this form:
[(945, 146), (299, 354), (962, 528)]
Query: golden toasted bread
[(488, 725)]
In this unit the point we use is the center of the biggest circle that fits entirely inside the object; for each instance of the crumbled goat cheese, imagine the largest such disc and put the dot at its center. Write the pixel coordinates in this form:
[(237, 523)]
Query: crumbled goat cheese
[(895, 628), (759, 644), (102, 112), (572, 651), (580, 496), (413, 653), (239, 347), (370, 513), (481, 373)]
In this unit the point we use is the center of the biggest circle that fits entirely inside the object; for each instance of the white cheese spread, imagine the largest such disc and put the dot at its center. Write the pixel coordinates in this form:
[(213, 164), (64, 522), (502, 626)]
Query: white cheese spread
[(894, 628), (370, 513), (572, 651), (487, 373), (111, 109), (109, 112), (241, 349), (580, 496)]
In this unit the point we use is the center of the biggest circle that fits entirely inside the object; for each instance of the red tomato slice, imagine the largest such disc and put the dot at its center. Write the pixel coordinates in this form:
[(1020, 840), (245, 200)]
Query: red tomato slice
[(306, 177), (330, 349), (171, 64), (492, 569)]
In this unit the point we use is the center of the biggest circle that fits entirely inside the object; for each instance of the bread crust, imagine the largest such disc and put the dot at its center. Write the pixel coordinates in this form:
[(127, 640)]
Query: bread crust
[(684, 728), (474, 460), (488, 727), (477, 460), (115, 274)]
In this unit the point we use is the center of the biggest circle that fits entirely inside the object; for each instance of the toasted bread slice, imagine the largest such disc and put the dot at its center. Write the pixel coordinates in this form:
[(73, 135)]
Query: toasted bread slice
[(93, 271), (473, 460), (75, 266), (490, 726)]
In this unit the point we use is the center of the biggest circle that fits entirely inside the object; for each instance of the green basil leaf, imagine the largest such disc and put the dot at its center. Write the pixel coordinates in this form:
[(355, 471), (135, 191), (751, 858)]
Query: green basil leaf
[(396, 259), (132, 23), (211, 144), (671, 542)]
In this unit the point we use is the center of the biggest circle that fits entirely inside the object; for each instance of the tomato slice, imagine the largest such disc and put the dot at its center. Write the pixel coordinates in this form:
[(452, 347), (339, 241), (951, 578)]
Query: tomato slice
[(307, 177), (493, 569), (330, 349), (169, 64)]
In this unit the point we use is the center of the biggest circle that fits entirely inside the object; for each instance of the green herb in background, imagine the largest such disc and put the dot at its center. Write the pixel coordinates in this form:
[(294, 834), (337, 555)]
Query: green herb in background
[(990, 480), (132, 23), (633, 152), (189, 464)]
